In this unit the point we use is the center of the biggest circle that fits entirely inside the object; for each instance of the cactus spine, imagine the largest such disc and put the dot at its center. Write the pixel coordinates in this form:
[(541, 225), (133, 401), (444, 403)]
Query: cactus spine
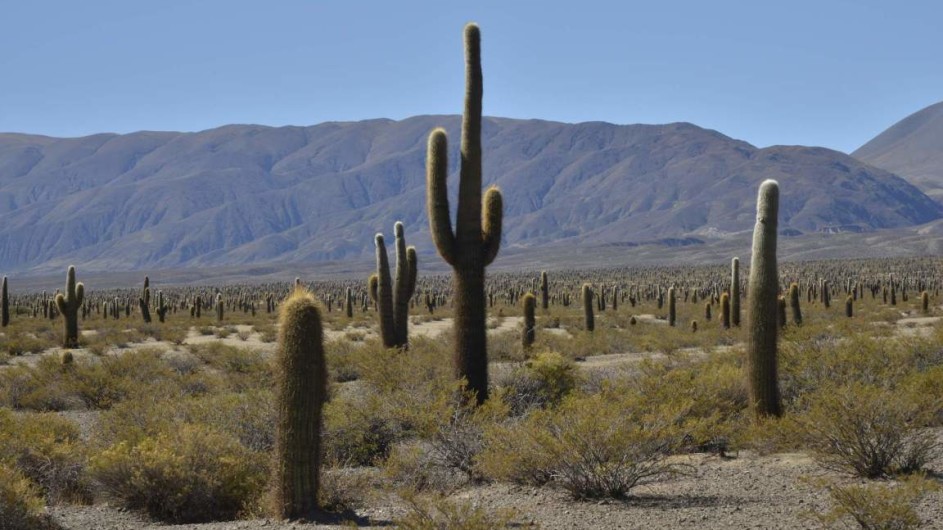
[(761, 365), (735, 292), (4, 304), (529, 332), (588, 317), (69, 304), (301, 390), (794, 304), (477, 236)]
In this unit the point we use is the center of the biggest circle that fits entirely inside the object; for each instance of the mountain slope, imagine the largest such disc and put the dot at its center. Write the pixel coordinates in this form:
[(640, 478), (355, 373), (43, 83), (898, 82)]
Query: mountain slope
[(911, 148), (246, 193)]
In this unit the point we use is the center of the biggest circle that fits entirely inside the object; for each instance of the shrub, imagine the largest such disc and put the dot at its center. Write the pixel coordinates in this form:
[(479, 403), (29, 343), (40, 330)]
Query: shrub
[(541, 382), (437, 512), (46, 449), (887, 506), (21, 506), (869, 431), (193, 474), (602, 454)]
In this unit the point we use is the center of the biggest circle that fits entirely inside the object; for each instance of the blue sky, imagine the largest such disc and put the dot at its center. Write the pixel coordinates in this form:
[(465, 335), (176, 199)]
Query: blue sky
[(831, 73)]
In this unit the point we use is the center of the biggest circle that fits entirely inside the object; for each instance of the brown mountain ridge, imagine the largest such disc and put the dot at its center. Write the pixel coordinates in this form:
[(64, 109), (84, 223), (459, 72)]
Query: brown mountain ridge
[(253, 194)]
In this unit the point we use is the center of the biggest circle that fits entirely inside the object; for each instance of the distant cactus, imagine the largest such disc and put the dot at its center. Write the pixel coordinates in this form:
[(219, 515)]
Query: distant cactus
[(781, 312), (707, 311), (924, 298), (161, 307), (849, 306), (762, 327), (725, 310), (393, 296), (672, 306), (589, 319), (301, 390), (694, 326), (349, 303), (544, 291), (794, 304), (219, 306), (144, 302), (528, 334), (477, 237), (69, 304), (735, 292), (4, 304)]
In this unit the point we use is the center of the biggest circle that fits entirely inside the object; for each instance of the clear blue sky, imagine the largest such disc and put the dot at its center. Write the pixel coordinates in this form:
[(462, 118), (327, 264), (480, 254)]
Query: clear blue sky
[(831, 73)]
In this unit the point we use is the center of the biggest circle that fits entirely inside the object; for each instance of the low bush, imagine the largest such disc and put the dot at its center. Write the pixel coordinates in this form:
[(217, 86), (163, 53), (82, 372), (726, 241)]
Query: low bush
[(869, 431), (192, 474), (21, 506), (877, 506)]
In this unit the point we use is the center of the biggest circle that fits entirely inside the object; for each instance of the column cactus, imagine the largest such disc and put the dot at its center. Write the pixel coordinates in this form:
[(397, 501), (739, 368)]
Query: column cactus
[(301, 389), (794, 304), (849, 306), (725, 310), (394, 313), (924, 298), (528, 334), (735, 292), (590, 320), (762, 327), (219, 307), (477, 237), (544, 291), (144, 302), (4, 304), (349, 303), (68, 304), (672, 307)]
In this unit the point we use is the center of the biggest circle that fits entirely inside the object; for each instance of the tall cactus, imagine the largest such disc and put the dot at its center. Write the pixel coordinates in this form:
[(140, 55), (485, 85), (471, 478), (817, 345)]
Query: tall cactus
[(477, 236), (528, 334), (301, 389), (4, 304), (762, 328), (69, 304), (544, 291), (589, 319), (735, 292), (144, 302)]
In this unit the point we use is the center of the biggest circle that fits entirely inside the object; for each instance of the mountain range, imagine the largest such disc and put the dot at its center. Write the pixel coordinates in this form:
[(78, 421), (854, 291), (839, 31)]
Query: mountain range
[(243, 194)]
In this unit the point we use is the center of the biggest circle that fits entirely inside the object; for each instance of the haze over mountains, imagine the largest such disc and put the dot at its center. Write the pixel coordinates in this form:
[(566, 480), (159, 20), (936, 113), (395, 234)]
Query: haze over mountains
[(253, 194)]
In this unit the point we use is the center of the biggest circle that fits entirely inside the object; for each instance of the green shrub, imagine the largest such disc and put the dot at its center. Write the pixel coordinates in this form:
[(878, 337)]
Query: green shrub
[(542, 382), (437, 512), (21, 506), (601, 454), (869, 431), (47, 449), (877, 506), (192, 474)]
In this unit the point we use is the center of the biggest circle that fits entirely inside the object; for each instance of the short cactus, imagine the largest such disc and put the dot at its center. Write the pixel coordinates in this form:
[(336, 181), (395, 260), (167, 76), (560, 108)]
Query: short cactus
[(794, 304), (301, 389), (735, 292), (588, 318), (672, 307), (725, 310), (544, 291), (4, 304), (528, 334)]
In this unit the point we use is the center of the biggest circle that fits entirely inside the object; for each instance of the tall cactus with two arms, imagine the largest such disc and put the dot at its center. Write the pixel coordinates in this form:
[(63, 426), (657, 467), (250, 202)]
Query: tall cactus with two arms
[(69, 304), (477, 237)]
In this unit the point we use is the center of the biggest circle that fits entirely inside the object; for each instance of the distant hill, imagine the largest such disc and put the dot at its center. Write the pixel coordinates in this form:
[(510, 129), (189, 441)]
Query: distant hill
[(911, 148), (251, 194)]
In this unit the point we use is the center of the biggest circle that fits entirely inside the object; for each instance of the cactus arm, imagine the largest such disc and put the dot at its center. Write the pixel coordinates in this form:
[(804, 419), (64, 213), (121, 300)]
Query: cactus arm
[(492, 219), (385, 294), (437, 198)]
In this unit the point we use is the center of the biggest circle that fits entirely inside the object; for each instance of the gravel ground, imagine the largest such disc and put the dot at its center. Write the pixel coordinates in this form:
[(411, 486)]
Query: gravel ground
[(742, 492)]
